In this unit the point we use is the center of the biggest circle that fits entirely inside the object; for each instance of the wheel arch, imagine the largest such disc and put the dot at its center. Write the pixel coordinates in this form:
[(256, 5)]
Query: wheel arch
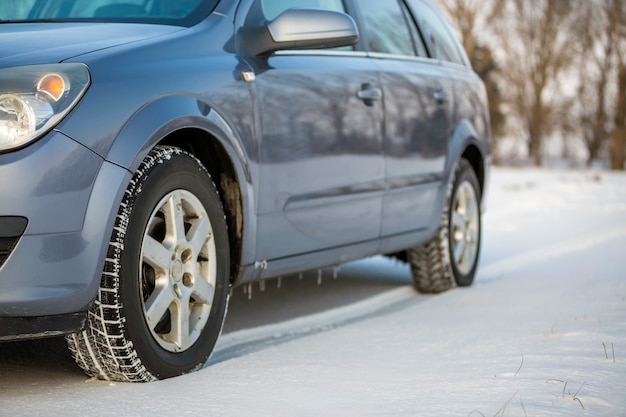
[(466, 144), (216, 160), (474, 156)]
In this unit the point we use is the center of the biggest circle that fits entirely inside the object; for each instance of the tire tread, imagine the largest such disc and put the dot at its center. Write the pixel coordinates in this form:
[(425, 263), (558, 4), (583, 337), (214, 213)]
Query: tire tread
[(431, 264)]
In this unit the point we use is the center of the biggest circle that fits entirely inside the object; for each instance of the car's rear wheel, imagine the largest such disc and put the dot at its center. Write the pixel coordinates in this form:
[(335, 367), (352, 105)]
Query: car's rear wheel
[(164, 288), (451, 257)]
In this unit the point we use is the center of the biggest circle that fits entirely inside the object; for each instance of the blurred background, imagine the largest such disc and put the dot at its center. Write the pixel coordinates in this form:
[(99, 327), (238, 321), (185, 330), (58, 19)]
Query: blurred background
[(555, 72)]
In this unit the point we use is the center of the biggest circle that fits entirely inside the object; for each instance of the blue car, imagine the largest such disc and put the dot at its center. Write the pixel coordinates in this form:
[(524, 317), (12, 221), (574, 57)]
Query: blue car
[(156, 153)]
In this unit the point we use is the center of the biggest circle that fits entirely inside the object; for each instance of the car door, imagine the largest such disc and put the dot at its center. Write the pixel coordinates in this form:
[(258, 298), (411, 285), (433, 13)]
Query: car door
[(321, 164), (417, 102)]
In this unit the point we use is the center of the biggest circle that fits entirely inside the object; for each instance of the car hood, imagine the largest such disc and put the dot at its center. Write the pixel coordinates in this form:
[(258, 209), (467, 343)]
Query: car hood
[(46, 43)]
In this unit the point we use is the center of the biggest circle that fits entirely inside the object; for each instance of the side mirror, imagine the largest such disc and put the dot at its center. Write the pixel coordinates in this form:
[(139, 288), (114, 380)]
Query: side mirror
[(300, 29)]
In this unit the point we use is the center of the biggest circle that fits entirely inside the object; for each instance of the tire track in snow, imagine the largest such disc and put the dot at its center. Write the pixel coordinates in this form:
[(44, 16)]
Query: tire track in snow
[(243, 342)]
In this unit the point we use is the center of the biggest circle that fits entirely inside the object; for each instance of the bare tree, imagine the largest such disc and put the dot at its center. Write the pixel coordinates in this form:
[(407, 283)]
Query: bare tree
[(542, 48), (618, 148), (602, 80), (619, 130), (538, 51), (597, 41), (471, 18)]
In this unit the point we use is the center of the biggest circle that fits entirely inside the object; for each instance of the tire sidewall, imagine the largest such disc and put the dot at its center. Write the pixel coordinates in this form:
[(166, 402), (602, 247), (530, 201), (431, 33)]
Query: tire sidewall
[(180, 172)]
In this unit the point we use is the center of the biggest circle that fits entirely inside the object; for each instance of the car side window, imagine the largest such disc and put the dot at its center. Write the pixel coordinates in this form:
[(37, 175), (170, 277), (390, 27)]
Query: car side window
[(272, 8), (436, 32), (387, 30)]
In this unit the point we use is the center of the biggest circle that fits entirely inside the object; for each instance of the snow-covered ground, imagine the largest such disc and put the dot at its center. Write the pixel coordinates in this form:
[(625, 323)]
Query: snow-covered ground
[(541, 333)]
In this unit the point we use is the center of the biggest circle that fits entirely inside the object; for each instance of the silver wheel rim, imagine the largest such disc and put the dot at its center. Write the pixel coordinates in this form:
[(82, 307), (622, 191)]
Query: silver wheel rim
[(178, 271), (465, 228)]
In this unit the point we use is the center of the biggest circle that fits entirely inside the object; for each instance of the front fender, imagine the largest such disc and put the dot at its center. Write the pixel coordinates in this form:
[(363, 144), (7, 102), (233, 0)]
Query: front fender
[(165, 115)]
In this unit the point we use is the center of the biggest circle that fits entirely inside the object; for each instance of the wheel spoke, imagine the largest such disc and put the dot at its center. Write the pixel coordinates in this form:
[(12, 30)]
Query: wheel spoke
[(458, 221), (467, 254), (473, 236), (158, 303), (155, 254), (461, 202), (203, 291), (471, 209), (198, 234), (458, 250), (180, 326), (174, 222)]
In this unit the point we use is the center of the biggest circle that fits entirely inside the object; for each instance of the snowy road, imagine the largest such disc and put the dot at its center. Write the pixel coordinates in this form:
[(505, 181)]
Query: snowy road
[(541, 333)]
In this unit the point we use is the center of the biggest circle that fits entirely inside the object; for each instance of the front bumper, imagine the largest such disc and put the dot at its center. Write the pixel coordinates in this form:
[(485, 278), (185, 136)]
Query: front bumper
[(16, 328), (69, 196)]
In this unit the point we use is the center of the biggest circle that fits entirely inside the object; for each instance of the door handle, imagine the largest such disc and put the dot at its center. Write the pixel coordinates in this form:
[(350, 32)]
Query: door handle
[(369, 94), (441, 96)]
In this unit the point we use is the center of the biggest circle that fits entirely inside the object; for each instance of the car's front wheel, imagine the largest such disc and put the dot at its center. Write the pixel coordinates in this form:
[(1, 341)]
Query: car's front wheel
[(164, 288), (451, 257)]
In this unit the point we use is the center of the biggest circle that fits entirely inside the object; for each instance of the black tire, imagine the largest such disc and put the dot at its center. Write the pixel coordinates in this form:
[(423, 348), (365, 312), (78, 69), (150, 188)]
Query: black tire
[(450, 258), (163, 294)]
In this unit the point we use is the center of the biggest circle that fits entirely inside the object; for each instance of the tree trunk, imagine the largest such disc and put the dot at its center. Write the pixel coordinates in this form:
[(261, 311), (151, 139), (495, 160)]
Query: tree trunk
[(535, 134), (619, 132), (618, 148)]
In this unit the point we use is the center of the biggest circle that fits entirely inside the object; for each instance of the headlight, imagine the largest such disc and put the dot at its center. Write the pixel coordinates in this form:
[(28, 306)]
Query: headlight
[(34, 99)]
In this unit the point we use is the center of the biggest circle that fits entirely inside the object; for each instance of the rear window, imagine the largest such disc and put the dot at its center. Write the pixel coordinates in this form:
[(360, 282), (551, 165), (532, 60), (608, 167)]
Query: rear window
[(437, 33), (176, 12)]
